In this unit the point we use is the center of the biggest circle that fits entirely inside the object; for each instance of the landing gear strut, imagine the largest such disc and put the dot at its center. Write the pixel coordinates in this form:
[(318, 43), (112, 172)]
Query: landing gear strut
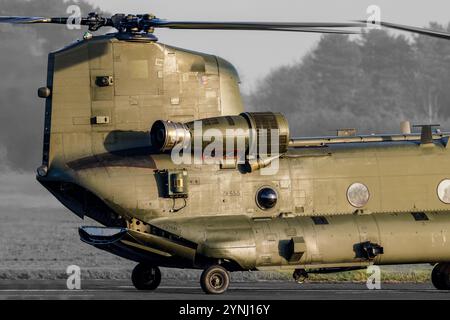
[(146, 277), (215, 280), (300, 275), (440, 276)]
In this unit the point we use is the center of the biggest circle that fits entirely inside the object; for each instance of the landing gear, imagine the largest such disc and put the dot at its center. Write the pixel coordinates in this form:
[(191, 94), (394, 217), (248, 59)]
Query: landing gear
[(146, 277), (440, 276), (300, 275), (215, 280)]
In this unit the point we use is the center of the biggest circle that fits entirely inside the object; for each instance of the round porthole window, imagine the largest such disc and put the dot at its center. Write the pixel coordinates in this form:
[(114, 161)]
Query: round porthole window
[(266, 198), (358, 195), (443, 191)]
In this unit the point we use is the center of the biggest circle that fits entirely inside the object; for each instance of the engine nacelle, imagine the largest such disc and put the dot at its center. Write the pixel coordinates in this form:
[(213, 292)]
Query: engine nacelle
[(255, 133)]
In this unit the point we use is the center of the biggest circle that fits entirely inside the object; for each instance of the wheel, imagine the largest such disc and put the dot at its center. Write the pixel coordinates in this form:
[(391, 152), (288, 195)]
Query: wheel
[(146, 277), (300, 275), (440, 276), (436, 276), (215, 280)]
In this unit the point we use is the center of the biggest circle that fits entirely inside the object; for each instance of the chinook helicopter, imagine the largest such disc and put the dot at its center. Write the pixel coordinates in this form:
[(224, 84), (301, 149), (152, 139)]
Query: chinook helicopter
[(118, 106)]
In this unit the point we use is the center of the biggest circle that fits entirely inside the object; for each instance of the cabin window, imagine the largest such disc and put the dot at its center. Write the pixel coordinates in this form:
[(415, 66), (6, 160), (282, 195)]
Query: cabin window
[(443, 191), (266, 198), (358, 195)]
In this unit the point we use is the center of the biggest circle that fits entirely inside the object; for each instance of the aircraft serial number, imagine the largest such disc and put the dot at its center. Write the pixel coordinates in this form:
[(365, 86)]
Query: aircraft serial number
[(232, 193)]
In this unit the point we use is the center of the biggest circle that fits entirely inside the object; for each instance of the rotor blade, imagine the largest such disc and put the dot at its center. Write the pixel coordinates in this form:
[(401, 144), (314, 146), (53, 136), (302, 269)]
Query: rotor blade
[(273, 26), (31, 20), (424, 31), (311, 30), (93, 21), (24, 20)]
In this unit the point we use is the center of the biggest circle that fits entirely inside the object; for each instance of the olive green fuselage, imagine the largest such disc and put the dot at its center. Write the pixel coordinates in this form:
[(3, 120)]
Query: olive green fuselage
[(106, 170)]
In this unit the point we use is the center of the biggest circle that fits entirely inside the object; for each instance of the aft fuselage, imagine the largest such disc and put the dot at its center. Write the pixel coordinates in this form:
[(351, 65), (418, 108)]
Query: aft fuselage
[(333, 204)]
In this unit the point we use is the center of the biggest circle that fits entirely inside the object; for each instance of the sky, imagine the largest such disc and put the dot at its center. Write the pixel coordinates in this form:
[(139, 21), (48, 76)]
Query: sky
[(256, 53)]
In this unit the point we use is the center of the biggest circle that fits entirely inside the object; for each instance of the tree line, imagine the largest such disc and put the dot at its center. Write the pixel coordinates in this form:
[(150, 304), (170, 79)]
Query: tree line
[(371, 82)]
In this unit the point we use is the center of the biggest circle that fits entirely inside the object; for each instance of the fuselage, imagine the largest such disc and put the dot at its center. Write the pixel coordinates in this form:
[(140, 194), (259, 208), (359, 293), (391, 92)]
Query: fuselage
[(331, 201), (400, 177)]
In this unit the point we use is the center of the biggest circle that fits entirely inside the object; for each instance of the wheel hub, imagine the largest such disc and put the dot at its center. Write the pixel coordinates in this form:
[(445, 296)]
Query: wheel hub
[(216, 281)]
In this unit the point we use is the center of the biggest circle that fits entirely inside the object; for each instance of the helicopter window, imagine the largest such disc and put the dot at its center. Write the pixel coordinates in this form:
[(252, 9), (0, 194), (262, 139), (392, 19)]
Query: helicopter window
[(319, 220), (266, 198), (443, 191), (358, 195), (420, 216)]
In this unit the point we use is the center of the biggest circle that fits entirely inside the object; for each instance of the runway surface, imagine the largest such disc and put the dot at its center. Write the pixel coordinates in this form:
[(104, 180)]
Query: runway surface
[(176, 290)]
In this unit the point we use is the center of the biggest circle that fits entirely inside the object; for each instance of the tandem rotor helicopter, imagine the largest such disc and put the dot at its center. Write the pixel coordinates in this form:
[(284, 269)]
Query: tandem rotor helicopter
[(335, 203)]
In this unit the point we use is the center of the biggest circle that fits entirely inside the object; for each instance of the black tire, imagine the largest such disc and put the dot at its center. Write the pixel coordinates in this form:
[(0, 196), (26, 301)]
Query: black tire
[(440, 276), (436, 276), (215, 280), (300, 275), (146, 277)]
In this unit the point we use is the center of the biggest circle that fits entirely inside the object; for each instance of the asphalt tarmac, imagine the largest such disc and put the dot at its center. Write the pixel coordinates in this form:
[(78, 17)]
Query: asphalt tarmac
[(174, 290)]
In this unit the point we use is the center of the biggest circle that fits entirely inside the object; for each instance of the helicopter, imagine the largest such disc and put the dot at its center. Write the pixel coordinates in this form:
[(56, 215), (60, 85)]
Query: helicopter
[(128, 121)]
